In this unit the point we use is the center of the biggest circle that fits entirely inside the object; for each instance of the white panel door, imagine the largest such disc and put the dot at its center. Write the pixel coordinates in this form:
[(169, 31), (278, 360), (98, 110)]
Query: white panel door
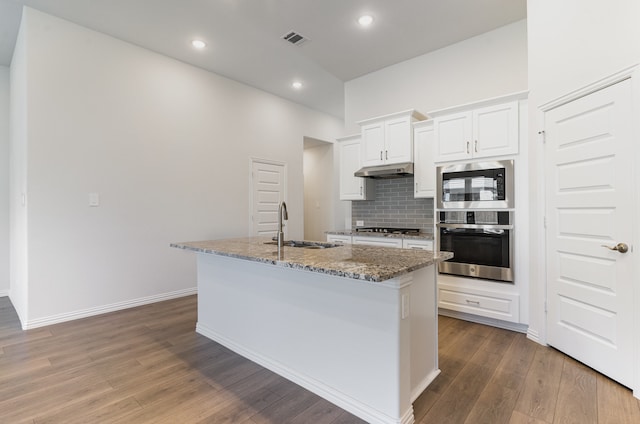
[(268, 190), (453, 137), (398, 138), (589, 172), (495, 130)]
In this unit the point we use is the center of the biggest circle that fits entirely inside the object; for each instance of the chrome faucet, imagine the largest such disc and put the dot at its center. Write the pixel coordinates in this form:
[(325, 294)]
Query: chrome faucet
[(282, 215)]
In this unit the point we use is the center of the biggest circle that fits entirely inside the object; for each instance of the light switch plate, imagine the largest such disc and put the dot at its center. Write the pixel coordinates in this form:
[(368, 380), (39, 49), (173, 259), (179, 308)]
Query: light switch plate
[(359, 223)]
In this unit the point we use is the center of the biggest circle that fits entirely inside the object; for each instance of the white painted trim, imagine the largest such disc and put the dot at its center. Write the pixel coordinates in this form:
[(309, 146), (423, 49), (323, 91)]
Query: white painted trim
[(4, 293), (321, 389), (635, 93), (506, 325), (84, 313), (519, 95), (590, 88), (422, 386)]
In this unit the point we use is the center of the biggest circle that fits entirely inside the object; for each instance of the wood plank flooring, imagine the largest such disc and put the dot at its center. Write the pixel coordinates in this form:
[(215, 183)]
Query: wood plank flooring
[(147, 365)]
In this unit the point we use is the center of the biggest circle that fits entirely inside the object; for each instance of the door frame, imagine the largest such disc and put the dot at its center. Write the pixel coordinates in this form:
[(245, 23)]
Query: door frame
[(539, 298), (252, 161)]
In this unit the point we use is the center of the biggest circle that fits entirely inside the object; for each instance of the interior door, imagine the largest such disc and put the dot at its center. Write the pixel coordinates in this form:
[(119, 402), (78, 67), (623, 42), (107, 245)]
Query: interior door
[(589, 211), (268, 181)]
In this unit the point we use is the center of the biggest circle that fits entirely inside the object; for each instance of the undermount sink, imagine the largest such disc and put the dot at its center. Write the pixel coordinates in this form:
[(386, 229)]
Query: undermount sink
[(305, 244)]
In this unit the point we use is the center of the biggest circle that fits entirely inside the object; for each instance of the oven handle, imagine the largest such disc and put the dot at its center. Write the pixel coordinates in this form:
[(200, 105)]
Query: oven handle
[(476, 226)]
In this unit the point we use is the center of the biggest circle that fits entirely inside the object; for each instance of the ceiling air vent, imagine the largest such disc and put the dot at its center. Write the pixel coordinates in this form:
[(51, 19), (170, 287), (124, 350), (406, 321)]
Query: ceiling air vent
[(294, 38)]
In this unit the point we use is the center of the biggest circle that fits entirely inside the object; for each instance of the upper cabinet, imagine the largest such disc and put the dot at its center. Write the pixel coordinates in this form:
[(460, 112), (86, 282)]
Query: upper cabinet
[(388, 139), (352, 187), (424, 169), (486, 129)]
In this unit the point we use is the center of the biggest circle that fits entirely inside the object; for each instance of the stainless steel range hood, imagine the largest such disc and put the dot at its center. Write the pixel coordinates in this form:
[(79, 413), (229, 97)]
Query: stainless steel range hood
[(396, 170)]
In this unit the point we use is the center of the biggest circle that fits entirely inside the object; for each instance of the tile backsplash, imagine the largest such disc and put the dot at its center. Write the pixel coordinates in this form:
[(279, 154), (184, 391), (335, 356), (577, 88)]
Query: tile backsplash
[(394, 206)]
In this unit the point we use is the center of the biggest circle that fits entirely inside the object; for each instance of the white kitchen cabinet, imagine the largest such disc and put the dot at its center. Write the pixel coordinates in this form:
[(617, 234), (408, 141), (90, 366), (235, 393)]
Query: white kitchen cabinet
[(388, 139), (378, 241), (424, 169), (496, 304), (352, 187), (338, 239), (485, 129), (417, 244)]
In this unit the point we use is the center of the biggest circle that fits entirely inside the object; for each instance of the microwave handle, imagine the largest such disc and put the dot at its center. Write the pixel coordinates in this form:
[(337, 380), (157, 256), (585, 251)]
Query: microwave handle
[(476, 226)]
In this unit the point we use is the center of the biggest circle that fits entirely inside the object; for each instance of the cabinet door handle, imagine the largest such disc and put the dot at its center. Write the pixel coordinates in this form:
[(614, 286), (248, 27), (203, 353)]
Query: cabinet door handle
[(467, 147), (360, 190), (475, 146), (473, 302), (386, 154), (416, 187), (380, 154)]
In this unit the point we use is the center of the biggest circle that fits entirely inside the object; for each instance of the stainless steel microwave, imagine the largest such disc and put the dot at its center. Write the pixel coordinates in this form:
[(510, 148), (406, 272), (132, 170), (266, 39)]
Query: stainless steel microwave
[(476, 185)]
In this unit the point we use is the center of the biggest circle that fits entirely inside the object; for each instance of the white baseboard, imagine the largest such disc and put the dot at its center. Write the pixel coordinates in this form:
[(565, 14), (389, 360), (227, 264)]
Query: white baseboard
[(520, 328), (345, 402), (84, 313), (422, 386), (4, 293)]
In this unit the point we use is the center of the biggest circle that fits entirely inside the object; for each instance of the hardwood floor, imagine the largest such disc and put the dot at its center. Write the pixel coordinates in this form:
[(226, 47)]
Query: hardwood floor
[(147, 365)]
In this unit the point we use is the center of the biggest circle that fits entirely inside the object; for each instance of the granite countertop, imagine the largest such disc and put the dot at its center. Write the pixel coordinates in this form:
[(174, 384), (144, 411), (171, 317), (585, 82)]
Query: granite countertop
[(421, 236), (369, 263)]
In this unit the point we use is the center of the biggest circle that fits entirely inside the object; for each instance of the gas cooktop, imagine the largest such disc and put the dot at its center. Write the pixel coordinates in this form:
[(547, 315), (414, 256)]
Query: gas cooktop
[(388, 230)]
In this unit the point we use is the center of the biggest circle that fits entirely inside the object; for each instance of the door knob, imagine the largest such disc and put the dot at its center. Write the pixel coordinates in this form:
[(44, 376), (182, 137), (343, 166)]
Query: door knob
[(620, 247)]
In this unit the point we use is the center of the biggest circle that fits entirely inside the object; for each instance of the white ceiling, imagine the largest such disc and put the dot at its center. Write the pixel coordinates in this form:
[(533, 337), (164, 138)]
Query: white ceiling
[(244, 36)]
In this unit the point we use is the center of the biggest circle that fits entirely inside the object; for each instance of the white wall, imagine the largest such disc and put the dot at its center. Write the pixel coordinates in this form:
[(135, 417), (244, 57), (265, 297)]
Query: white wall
[(571, 43), (166, 146), (4, 181), (489, 65), (319, 194)]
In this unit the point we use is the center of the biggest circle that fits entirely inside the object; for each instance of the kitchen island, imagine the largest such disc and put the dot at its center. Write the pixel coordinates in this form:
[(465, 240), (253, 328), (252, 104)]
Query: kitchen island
[(356, 325)]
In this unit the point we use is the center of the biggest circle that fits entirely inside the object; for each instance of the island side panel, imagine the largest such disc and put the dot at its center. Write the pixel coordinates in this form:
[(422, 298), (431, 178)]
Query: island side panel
[(424, 330), (343, 339)]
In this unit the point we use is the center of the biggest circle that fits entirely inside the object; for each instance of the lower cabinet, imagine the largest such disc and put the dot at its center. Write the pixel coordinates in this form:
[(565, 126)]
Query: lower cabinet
[(399, 243), (484, 302), (378, 241), (338, 239), (417, 244)]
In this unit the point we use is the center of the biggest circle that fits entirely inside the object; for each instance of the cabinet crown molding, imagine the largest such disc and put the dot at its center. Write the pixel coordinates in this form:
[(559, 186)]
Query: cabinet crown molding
[(411, 112), (520, 95)]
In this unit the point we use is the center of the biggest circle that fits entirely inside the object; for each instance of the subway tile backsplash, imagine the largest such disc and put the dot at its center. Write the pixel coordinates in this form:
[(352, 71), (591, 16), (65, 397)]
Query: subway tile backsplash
[(394, 206)]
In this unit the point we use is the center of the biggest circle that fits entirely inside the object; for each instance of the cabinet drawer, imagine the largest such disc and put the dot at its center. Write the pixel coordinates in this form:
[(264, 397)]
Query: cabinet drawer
[(378, 241), (417, 244), (502, 306), (338, 239)]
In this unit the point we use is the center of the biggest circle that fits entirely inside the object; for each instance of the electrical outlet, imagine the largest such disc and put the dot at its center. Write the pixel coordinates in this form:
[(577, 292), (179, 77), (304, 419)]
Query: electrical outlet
[(359, 223)]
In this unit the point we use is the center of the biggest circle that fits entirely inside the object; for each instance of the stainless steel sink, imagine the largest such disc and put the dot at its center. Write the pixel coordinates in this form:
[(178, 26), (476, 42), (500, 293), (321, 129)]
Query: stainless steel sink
[(305, 244)]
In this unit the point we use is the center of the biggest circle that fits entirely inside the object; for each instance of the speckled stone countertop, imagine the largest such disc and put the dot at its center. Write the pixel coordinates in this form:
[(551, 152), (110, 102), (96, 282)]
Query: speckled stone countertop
[(369, 263), (421, 236)]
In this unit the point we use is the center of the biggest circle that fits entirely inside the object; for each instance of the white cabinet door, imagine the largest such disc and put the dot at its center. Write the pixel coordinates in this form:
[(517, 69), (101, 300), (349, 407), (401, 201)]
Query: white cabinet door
[(483, 132), (338, 239), (398, 140), (495, 130), (453, 137), (424, 169), (378, 241), (373, 144), (352, 187), (417, 244)]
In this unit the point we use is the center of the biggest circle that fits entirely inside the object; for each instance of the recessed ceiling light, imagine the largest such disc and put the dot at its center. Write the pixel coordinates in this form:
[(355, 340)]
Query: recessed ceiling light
[(198, 44), (365, 20), (297, 85)]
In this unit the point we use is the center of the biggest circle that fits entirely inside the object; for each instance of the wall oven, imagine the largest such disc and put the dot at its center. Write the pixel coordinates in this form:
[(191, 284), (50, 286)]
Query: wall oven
[(481, 242), (476, 185)]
